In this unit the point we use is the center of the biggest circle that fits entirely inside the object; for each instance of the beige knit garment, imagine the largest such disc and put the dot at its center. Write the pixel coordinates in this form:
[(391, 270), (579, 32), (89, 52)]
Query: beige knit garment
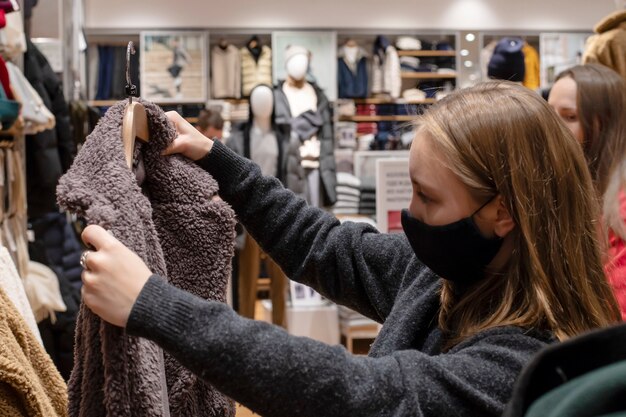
[(30, 385), (225, 72), (13, 287)]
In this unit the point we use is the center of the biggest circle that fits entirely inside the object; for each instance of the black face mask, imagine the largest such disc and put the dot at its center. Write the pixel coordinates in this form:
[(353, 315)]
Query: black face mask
[(457, 251)]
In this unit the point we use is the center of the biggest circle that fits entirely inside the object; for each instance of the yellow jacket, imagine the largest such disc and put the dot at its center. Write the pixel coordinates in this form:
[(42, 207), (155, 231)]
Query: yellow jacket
[(30, 385), (608, 45), (531, 62)]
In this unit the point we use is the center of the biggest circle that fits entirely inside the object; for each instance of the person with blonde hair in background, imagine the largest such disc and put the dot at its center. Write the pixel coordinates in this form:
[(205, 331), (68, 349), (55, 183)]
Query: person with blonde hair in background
[(499, 258), (211, 124), (591, 100)]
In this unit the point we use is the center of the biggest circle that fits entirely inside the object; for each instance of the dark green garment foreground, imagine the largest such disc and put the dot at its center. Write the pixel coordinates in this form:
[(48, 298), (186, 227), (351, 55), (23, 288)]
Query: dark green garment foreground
[(583, 376), (598, 393)]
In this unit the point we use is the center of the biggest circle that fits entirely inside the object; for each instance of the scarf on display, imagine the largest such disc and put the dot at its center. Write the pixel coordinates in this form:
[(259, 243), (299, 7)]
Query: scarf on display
[(29, 382), (181, 233)]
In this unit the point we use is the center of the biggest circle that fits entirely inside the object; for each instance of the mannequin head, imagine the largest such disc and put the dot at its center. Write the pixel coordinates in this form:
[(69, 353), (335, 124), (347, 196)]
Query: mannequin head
[(261, 102), (296, 62)]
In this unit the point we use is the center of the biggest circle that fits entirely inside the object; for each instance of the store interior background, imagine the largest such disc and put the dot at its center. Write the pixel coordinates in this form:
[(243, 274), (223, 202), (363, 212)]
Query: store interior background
[(119, 21)]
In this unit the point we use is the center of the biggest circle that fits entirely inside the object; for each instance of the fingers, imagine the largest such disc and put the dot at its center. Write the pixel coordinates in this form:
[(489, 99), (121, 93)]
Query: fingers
[(97, 237), (174, 117), (94, 261), (178, 146), (180, 123)]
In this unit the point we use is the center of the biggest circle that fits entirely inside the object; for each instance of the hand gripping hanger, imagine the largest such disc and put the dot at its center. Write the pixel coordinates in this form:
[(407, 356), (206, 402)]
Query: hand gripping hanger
[(135, 123)]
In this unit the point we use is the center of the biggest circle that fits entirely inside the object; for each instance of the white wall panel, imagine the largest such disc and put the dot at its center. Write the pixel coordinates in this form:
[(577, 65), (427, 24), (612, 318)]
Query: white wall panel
[(366, 14)]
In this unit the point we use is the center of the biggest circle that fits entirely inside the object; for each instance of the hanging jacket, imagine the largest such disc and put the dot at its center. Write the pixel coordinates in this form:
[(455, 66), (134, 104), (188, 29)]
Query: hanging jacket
[(49, 153), (13, 286), (30, 386), (531, 62), (352, 76), (57, 246), (608, 45), (178, 231), (255, 71), (386, 75), (225, 72), (295, 178)]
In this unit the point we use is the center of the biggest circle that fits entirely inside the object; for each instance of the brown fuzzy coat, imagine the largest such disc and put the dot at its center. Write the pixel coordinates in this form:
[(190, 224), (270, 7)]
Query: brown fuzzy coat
[(181, 233), (608, 45), (30, 385)]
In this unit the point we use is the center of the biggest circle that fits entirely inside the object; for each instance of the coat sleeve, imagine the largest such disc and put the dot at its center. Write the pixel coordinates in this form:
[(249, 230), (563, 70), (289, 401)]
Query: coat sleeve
[(616, 265), (65, 141), (276, 374), (351, 264)]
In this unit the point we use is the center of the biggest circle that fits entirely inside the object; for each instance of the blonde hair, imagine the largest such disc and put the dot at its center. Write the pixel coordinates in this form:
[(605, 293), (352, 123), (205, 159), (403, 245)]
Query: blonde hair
[(501, 138), (601, 103)]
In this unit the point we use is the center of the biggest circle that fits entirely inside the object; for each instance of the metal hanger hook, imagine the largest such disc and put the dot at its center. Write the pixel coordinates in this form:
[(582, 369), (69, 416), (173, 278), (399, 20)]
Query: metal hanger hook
[(131, 89)]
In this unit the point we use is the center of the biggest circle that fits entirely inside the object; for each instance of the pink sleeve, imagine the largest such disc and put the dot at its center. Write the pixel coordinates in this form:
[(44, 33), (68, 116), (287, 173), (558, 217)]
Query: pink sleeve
[(616, 265)]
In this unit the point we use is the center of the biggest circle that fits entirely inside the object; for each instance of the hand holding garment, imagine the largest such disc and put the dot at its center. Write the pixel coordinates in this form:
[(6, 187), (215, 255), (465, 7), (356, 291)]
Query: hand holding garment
[(179, 232)]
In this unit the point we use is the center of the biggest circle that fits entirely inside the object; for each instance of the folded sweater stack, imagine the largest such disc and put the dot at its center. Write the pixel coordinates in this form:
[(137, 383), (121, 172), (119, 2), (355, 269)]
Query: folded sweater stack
[(348, 194)]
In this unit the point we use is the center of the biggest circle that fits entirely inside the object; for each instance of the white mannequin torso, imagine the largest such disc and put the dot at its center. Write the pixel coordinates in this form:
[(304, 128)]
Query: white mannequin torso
[(300, 99), (264, 147)]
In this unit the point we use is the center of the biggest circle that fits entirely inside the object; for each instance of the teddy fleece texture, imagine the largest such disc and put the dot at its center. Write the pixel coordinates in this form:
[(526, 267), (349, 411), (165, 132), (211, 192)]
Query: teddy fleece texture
[(608, 45), (175, 226), (30, 385)]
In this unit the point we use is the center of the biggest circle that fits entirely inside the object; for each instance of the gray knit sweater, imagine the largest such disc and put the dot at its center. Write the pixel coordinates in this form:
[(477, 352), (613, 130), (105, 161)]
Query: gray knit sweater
[(276, 374)]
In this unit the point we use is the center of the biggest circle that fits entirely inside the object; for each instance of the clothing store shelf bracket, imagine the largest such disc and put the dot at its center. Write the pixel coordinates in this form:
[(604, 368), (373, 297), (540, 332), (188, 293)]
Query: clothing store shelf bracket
[(135, 123)]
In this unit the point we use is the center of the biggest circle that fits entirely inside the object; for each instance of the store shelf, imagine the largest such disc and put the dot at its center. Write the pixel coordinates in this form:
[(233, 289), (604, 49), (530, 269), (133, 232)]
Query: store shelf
[(365, 119), (109, 103), (427, 75), (427, 53), (392, 101), (101, 103)]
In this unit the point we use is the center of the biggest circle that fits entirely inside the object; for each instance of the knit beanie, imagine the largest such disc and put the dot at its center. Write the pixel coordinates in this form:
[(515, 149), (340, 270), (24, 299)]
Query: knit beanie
[(507, 61), (293, 50)]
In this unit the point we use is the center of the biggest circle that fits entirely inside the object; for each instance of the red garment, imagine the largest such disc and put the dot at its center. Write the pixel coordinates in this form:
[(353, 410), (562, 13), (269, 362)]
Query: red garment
[(616, 266), (4, 79)]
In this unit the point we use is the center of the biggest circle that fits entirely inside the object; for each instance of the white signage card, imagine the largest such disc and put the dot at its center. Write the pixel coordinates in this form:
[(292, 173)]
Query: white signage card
[(393, 192)]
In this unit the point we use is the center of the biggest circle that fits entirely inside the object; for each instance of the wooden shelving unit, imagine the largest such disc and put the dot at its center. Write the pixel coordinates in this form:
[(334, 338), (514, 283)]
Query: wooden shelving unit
[(392, 101), (427, 75), (367, 119), (419, 53), (109, 103)]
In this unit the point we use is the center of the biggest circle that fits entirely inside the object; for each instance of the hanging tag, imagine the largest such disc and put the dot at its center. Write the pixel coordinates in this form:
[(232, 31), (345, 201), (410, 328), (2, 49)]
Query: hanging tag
[(131, 90)]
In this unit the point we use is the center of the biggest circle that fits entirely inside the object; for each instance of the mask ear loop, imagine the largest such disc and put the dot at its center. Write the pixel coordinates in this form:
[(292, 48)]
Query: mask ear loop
[(483, 206)]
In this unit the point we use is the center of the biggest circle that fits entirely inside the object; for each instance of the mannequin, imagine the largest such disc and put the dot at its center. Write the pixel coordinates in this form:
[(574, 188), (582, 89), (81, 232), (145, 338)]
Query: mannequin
[(263, 145), (300, 94), (260, 140), (302, 98), (302, 111)]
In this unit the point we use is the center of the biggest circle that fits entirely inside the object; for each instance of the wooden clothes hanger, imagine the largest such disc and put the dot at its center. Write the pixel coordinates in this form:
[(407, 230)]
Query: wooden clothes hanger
[(135, 122)]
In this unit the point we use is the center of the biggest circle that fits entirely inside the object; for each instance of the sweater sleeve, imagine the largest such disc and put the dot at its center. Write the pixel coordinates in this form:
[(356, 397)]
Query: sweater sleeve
[(351, 263), (276, 374)]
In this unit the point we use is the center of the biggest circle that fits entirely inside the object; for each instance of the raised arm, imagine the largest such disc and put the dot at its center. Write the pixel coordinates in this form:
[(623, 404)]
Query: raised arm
[(349, 263)]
